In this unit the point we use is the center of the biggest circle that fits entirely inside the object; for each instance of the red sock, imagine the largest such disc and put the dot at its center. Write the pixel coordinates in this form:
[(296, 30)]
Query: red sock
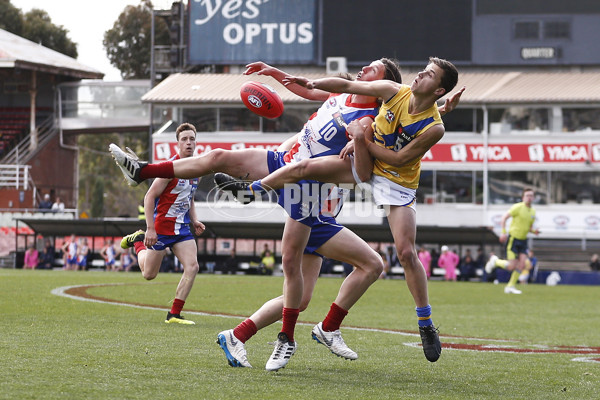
[(139, 246), (160, 170), (334, 318), (290, 316), (177, 306), (245, 330)]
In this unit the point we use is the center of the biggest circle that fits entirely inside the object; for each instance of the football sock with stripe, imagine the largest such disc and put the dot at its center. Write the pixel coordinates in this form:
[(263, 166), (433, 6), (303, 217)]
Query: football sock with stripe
[(290, 316), (501, 263), (334, 318), (245, 330), (257, 188), (160, 170), (424, 315)]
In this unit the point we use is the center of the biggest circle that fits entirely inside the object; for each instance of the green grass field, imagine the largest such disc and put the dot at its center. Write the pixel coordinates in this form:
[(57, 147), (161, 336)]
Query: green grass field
[(56, 347)]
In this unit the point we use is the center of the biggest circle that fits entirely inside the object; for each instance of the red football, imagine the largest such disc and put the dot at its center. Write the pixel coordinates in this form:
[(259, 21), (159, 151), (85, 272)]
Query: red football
[(261, 99)]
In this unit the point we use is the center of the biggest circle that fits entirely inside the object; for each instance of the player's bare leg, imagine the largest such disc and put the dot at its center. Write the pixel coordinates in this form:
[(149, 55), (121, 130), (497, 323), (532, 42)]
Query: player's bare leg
[(329, 169), (403, 224), (232, 341), (186, 252), (347, 247), (249, 163), (293, 242)]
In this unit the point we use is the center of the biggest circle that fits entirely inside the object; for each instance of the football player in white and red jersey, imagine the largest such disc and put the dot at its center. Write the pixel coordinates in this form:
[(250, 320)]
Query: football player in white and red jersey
[(169, 210)]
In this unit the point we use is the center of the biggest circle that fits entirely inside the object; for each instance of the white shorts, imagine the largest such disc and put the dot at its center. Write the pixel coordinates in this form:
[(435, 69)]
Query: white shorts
[(388, 193)]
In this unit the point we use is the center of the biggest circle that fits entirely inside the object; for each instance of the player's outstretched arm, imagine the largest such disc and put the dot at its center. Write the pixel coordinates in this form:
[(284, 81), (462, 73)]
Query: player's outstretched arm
[(261, 68), (383, 89)]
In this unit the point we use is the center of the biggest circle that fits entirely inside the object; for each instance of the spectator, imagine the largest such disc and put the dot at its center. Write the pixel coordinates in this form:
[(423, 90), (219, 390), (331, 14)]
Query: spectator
[(595, 263), (449, 261), (31, 258), (267, 263), (425, 258), (386, 267), (109, 253), (47, 259), (467, 266), (480, 260), (529, 274), (58, 205), (83, 251), (435, 256), (264, 252), (69, 249), (391, 258), (231, 263), (46, 204), (127, 260)]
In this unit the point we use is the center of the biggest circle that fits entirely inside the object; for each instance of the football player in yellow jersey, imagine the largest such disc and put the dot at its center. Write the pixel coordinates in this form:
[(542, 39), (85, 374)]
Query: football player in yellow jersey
[(523, 217), (407, 126)]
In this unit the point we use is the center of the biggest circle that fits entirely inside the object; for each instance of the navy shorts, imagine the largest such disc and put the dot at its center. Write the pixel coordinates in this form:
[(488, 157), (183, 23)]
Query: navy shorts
[(164, 241), (304, 201), (323, 227), (514, 247), (320, 233)]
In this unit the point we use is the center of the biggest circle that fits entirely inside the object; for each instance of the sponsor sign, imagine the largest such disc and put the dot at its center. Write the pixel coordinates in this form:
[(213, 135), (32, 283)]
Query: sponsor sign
[(514, 153), (242, 31), (536, 153)]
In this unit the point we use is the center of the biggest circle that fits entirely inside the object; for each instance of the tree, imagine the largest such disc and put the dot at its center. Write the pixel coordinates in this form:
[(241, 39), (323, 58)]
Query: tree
[(36, 26), (128, 42), (96, 165), (11, 18)]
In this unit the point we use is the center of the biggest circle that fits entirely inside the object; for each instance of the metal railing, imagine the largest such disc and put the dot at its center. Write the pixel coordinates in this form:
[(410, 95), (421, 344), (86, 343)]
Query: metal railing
[(22, 152), (15, 176)]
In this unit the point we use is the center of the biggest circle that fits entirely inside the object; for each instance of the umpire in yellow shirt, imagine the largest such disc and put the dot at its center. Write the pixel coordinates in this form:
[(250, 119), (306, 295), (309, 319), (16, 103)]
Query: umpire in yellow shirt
[(523, 217)]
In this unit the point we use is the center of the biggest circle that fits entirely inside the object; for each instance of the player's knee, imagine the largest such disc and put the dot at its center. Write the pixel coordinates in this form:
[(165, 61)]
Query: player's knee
[(290, 264), (407, 257), (192, 268), (217, 156), (149, 275), (374, 265), (300, 169)]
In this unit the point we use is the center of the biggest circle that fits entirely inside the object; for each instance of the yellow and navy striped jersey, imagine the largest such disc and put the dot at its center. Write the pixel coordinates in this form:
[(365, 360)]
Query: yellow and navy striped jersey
[(523, 218), (394, 128)]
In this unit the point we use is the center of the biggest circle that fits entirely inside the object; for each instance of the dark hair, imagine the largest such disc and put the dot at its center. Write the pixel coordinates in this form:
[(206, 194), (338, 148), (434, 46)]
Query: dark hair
[(392, 69), (185, 127), (346, 75), (527, 189), (450, 76)]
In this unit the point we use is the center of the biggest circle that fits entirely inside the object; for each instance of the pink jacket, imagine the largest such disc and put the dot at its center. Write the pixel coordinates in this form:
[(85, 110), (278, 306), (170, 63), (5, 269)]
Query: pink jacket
[(448, 260), (31, 259)]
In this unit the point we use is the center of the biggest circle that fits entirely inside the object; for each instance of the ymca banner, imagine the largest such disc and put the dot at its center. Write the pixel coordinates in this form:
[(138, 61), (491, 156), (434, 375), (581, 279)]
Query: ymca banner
[(514, 153), (458, 153), (243, 31)]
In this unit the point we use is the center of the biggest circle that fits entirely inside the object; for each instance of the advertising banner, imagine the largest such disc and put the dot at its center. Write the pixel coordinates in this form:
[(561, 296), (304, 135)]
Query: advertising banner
[(457, 153), (242, 31)]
